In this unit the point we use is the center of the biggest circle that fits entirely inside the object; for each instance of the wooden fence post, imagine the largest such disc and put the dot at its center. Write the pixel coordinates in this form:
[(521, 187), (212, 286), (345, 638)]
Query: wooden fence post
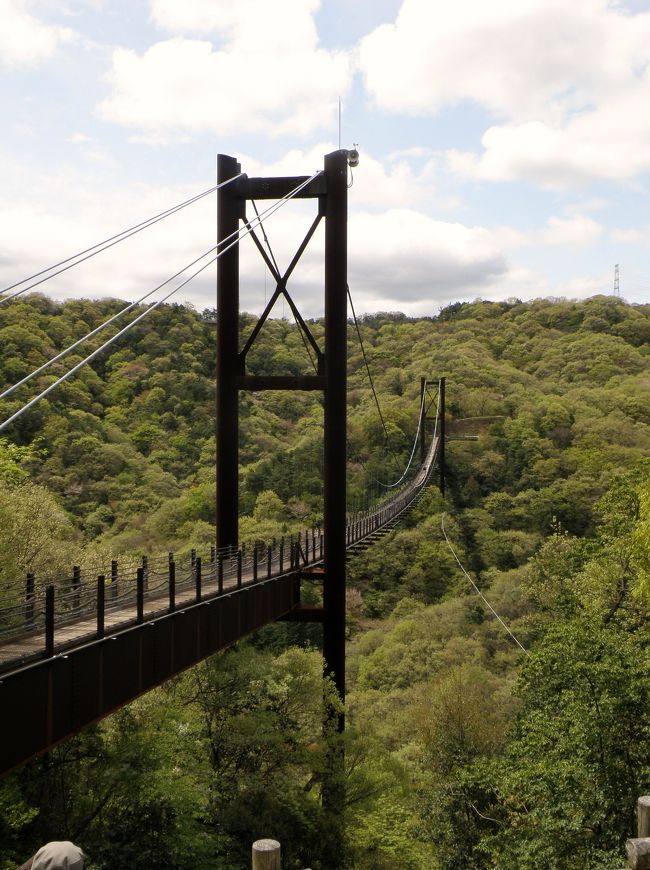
[(638, 848), (266, 855), (643, 816)]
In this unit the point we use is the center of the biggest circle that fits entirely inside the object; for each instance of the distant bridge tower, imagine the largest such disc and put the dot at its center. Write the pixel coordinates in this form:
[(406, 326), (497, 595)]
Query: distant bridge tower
[(617, 288)]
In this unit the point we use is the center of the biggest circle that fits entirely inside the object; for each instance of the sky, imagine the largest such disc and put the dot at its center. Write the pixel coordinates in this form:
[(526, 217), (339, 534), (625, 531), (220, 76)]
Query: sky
[(504, 146)]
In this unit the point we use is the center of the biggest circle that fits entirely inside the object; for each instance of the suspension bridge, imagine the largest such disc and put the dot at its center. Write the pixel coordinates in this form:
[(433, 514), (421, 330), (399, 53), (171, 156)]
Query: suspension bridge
[(75, 648)]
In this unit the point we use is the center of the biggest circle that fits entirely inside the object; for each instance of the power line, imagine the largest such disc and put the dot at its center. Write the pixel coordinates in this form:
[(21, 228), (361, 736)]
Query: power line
[(478, 591), (152, 307), (104, 245), (119, 314)]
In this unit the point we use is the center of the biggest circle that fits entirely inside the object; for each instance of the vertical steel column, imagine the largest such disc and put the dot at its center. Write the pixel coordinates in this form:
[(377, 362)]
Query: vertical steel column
[(441, 451), (336, 312), (227, 428)]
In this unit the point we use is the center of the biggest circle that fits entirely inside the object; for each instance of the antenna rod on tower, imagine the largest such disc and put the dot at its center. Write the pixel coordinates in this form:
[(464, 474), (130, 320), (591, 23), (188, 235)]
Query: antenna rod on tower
[(339, 123)]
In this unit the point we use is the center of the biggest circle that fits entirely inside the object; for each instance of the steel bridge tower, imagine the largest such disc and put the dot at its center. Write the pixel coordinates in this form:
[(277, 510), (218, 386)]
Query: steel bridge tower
[(329, 188)]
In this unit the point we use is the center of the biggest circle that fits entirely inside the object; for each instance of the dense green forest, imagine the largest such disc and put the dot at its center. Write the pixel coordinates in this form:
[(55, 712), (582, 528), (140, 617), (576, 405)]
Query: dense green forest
[(462, 750)]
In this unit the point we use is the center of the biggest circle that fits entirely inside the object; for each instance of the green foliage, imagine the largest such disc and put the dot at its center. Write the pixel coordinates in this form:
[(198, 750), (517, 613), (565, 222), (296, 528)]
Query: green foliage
[(565, 790), (446, 766)]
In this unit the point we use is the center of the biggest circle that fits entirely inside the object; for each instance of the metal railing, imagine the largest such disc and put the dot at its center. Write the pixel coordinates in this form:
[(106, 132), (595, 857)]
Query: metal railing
[(94, 600)]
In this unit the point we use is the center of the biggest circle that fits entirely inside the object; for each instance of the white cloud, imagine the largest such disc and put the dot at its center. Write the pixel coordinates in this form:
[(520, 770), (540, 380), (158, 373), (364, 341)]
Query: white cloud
[(632, 235), (612, 142), (403, 254), (518, 58), (576, 232), (264, 76), (251, 24), (568, 81), (24, 40)]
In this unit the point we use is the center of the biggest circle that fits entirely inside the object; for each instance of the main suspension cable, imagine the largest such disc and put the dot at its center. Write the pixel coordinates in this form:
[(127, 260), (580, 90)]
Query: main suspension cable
[(415, 444), (365, 359), (76, 344), (152, 307), (104, 245), (477, 590)]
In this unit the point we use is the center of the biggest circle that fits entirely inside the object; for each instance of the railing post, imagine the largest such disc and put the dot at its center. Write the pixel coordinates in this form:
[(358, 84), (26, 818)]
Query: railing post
[(114, 576), (101, 600), (269, 562), (255, 563), (139, 596), (76, 586), (282, 554), (30, 595), (197, 577), (192, 563), (49, 621), (220, 572), (145, 572), (172, 587), (238, 569)]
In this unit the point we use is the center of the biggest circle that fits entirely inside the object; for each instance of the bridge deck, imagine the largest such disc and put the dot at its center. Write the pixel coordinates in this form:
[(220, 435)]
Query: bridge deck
[(48, 694)]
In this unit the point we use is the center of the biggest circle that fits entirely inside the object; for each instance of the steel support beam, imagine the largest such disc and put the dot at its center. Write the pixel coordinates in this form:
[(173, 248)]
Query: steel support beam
[(280, 382), (50, 700), (227, 429), (276, 188), (336, 325)]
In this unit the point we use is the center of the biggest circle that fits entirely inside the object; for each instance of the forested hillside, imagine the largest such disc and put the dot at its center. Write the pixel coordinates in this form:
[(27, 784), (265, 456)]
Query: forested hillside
[(463, 750)]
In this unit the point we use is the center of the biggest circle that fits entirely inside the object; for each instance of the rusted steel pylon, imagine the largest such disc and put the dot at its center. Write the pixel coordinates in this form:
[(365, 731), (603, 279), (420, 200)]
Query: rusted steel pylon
[(330, 189)]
